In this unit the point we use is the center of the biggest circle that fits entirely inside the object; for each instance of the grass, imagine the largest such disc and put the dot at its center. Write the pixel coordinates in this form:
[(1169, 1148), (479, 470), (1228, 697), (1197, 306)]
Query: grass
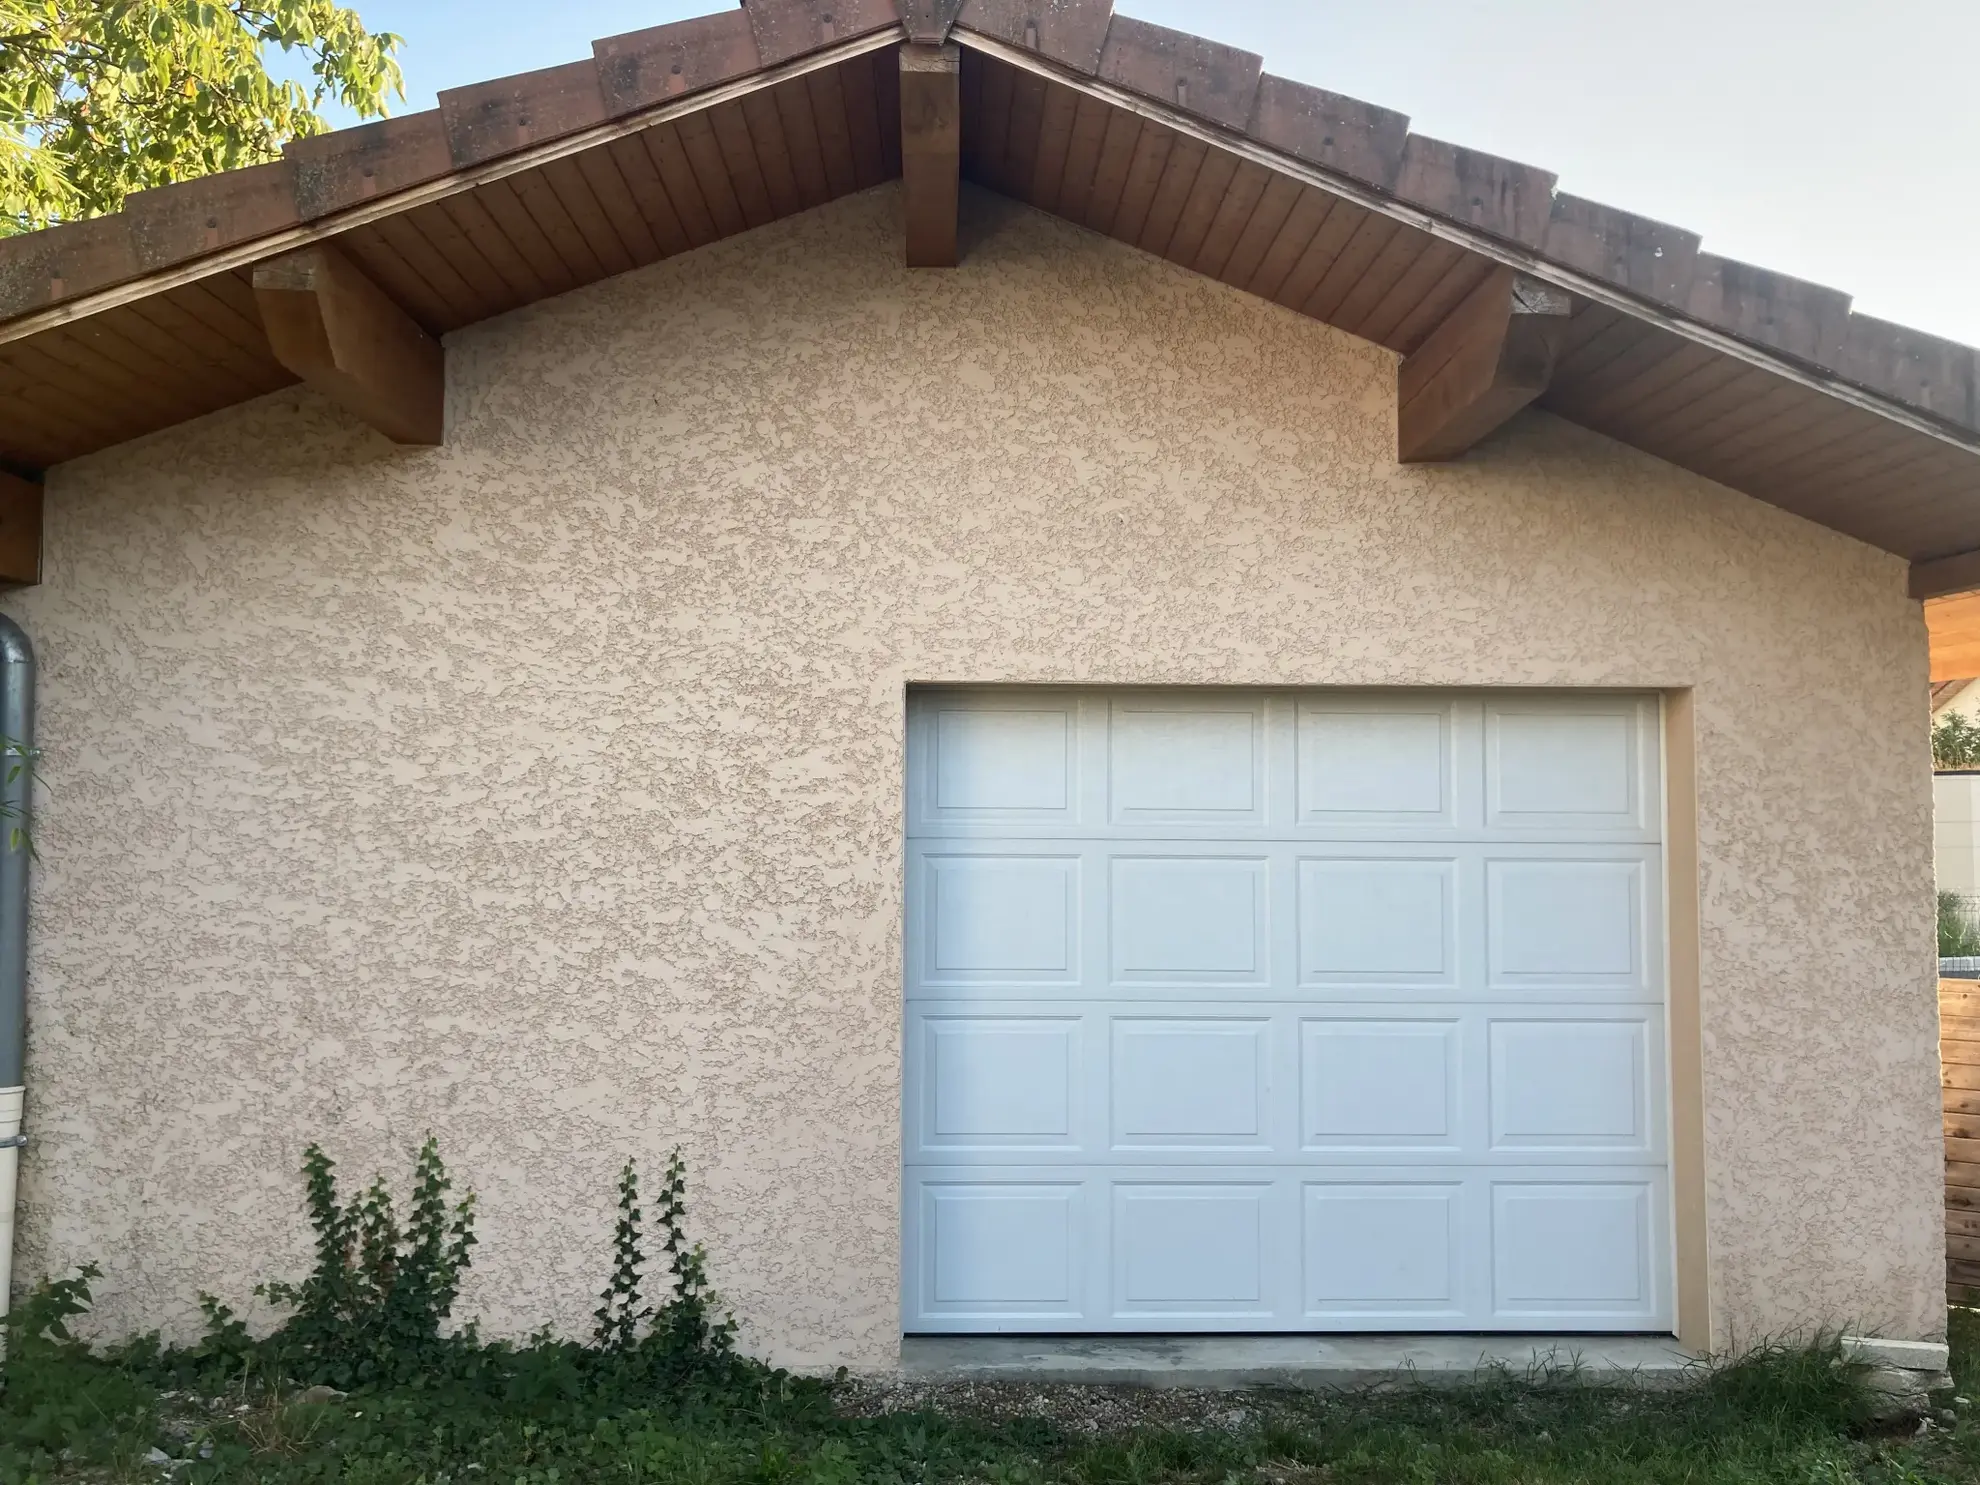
[(528, 1418)]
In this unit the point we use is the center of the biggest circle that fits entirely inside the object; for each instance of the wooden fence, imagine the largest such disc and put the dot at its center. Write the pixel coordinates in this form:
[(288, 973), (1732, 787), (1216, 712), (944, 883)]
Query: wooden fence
[(1959, 1076)]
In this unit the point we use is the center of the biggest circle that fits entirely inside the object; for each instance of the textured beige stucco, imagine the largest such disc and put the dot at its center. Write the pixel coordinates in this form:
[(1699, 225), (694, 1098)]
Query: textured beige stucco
[(543, 790)]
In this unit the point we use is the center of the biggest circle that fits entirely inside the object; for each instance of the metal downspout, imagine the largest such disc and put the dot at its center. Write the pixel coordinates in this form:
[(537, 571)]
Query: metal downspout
[(16, 726)]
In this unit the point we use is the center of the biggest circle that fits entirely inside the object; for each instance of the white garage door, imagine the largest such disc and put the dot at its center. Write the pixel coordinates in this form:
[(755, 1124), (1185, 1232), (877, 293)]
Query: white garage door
[(1245, 1011)]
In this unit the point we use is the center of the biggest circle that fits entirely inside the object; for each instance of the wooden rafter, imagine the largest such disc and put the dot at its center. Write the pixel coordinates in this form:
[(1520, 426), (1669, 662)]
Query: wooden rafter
[(1491, 356), (931, 151), (341, 333)]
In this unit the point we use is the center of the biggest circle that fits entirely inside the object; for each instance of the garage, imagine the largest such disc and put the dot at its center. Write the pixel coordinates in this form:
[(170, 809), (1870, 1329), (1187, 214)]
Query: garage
[(1285, 1011)]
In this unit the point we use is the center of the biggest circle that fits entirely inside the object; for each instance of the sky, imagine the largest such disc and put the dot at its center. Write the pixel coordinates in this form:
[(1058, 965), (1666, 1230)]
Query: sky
[(1836, 140)]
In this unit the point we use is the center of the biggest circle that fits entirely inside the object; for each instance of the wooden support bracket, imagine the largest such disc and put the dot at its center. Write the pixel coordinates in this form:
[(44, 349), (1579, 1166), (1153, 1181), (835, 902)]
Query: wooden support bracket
[(20, 531), (338, 331), (931, 151), (1491, 356)]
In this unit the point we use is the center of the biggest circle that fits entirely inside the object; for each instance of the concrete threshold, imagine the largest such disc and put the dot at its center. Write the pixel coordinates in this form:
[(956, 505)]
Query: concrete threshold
[(1309, 1361)]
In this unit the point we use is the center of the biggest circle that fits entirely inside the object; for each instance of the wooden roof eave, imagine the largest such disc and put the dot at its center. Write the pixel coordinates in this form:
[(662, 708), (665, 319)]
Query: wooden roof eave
[(1764, 382), (455, 183), (1483, 244)]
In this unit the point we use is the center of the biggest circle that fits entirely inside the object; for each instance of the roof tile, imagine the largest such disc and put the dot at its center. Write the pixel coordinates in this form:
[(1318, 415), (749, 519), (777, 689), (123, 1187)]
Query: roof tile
[(790, 28), (639, 69), (1326, 129), (169, 224), (1072, 32), (38, 269), (490, 119), (1636, 253), (1941, 377), (347, 166), (1495, 195), (1792, 315), (1206, 77)]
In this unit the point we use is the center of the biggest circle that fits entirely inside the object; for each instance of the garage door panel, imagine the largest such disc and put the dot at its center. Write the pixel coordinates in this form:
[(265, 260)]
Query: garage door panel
[(1574, 1083), (998, 917), (1363, 920), (1381, 1084), (1184, 760), (1189, 919), (1007, 1252), (1559, 767), (1576, 763), (1244, 1083), (991, 760), (1567, 1253), (1276, 1011), (1167, 1248), (1368, 762), (1570, 923), (1193, 1250), (1200, 1083), (1384, 1252), (1002, 1083), (1298, 920)]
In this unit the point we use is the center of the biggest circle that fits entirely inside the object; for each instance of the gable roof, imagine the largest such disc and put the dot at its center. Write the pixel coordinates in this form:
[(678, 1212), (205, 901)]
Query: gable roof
[(669, 138)]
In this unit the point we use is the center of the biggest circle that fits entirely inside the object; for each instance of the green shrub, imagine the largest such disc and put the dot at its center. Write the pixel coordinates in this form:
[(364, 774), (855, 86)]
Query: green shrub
[(1959, 935), (1955, 742)]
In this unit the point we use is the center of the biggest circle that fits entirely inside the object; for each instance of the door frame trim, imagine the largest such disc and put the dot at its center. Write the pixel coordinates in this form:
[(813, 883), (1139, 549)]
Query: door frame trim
[(1684, 1036)]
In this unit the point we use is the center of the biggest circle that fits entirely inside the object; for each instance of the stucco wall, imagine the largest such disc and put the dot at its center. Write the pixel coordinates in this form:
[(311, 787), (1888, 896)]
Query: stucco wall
[(543, 790)]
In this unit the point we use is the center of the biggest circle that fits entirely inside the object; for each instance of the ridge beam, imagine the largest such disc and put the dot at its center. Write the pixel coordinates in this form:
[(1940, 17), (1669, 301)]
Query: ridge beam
[(931, 151)]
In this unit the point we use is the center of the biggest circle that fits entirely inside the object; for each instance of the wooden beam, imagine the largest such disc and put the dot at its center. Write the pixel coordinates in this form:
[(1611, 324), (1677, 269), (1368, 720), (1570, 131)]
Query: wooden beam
[(1952, 625), (20, 531), (1946, 575), (338, 331), (1491, 356), (931, 151)]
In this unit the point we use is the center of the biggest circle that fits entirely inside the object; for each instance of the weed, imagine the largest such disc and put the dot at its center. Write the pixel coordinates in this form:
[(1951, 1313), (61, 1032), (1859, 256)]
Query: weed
[(374, 1306), (661, 1397)]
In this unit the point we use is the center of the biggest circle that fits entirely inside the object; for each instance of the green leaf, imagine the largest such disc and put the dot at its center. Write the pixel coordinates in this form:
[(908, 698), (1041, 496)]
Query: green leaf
[(101, 99)]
